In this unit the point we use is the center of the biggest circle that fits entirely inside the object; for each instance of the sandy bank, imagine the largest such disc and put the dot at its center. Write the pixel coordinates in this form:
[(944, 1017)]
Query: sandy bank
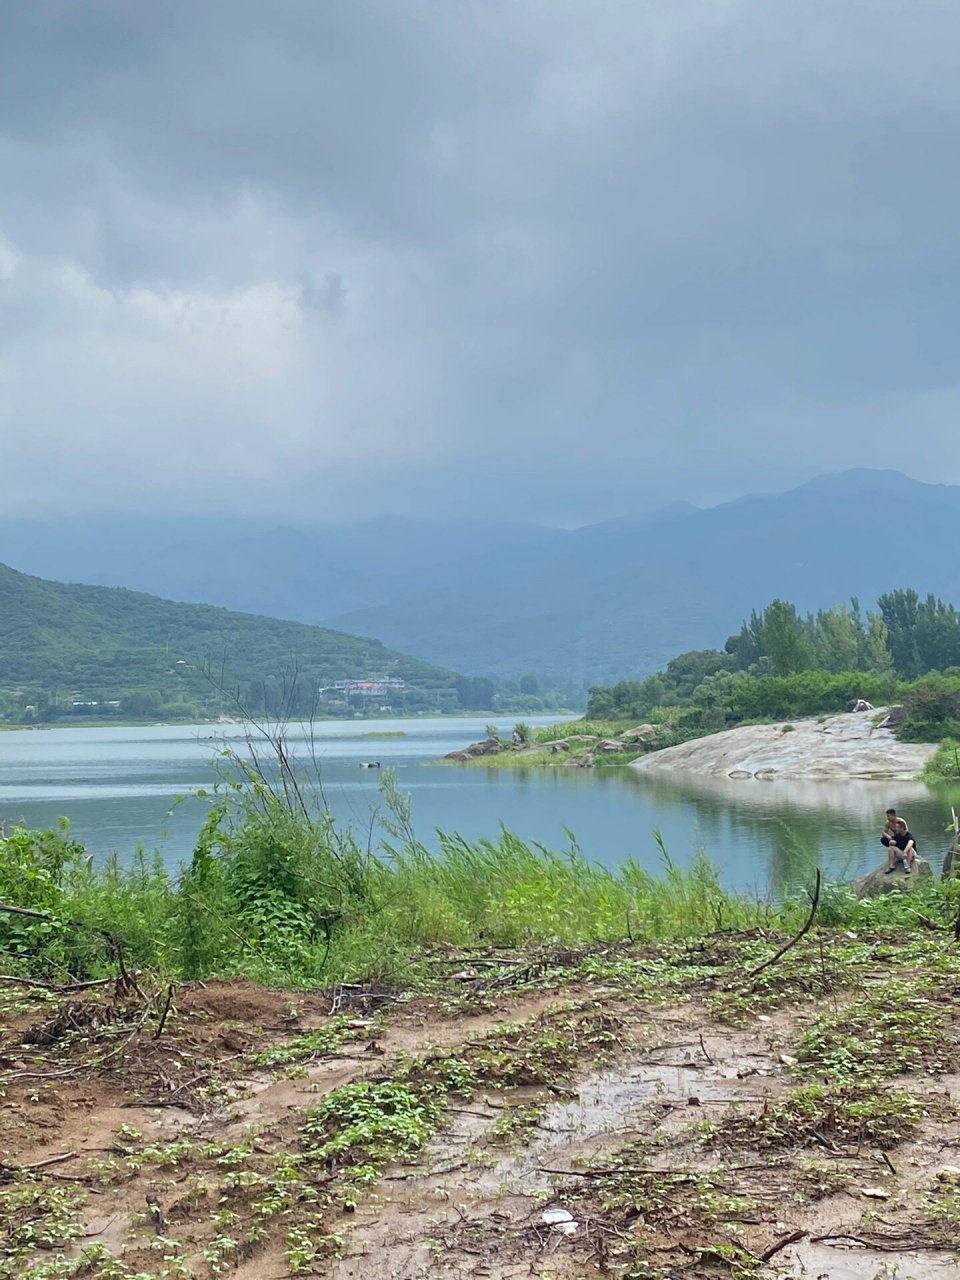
[(835, 747)]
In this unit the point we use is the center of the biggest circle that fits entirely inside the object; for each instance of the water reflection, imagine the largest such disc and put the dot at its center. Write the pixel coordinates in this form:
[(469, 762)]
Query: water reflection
[(802, 824), (119, 786)]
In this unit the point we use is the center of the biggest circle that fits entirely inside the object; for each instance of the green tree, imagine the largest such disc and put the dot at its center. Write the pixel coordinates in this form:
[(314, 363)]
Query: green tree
[(784, 639), (877, 648), (141, 702), (475, 692), (838, 639), (899, 611), (937, 635), (745, 648), (688, 670)]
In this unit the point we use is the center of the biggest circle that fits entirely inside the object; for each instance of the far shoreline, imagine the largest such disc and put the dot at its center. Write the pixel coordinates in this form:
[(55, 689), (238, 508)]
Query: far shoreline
[(118, 722)]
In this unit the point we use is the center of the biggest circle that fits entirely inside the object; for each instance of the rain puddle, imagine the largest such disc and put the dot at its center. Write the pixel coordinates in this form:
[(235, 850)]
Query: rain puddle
[(820, 1262), (605, 1104), (111, 1230), (465, 1182)]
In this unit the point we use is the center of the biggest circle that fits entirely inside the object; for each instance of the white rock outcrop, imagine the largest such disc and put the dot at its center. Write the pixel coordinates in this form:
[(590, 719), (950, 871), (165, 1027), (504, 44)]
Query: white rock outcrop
[(848, 745)]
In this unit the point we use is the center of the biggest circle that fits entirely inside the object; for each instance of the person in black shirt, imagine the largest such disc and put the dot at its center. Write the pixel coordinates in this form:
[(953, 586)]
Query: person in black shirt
[(902, 848)]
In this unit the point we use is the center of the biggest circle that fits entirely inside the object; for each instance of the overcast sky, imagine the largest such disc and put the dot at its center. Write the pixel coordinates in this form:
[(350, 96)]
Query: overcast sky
[(341, 257)]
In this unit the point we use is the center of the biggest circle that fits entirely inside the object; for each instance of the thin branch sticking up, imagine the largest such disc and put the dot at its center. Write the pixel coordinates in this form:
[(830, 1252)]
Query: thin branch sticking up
[(163, 1016), (814, 904)]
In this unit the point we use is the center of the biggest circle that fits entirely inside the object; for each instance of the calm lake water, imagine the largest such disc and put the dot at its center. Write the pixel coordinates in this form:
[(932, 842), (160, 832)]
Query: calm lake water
[(120, 787)]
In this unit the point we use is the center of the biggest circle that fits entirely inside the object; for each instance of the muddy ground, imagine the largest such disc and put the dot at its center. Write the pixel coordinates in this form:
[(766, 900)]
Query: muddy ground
[(645, 1111)]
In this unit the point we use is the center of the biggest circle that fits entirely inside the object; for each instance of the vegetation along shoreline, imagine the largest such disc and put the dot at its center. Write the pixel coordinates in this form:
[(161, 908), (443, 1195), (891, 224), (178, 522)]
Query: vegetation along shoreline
[(779, 668)]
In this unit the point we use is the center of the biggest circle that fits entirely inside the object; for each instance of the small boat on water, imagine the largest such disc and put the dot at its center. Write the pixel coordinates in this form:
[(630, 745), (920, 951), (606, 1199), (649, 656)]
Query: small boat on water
[(370, 764)]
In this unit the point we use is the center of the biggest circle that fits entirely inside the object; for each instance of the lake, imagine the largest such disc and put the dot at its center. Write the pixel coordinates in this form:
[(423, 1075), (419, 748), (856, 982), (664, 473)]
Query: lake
[(120, 787)]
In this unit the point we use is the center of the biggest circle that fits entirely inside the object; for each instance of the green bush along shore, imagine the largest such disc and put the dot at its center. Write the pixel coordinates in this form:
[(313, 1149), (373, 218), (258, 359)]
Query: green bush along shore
[(945, 765)]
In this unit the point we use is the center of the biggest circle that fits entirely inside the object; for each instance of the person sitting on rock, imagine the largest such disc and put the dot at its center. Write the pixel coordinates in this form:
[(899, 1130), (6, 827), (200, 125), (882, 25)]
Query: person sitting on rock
[(902, 848), (889, 828)]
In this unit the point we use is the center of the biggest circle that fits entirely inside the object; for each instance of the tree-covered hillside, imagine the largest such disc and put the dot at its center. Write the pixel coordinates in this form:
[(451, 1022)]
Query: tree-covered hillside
[(782, 664), (64, 648)]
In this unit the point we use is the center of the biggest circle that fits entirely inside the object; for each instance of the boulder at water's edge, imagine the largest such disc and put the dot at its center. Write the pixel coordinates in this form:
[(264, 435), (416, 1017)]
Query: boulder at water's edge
[(488, 747), (877, 882)]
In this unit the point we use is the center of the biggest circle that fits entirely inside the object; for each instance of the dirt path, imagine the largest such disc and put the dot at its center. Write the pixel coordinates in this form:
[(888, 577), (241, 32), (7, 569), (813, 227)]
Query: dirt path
[(640, 1115)]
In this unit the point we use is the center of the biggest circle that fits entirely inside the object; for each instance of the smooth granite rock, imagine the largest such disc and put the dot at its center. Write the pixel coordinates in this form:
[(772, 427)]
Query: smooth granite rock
[(834, 748)]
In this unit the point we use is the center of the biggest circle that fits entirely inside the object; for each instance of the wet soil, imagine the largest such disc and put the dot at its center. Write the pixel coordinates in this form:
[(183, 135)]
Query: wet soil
[(612, 1164)]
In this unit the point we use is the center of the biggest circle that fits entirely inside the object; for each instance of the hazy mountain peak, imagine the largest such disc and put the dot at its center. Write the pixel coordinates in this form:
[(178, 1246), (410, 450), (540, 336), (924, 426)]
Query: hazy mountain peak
[(859, 480), (678, 510), (856, 482), (608, 600)]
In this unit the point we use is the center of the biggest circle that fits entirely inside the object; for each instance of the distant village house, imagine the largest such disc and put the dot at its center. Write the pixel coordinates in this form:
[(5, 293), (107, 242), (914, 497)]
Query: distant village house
[(367, 688)]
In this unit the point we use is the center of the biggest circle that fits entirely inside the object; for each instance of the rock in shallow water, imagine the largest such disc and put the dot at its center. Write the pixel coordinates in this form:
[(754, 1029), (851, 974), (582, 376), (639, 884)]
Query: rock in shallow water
[(488, 747)]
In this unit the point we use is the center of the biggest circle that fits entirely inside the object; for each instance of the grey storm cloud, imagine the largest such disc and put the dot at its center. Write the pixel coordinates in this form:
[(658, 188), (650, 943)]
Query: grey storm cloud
[(523, 255)]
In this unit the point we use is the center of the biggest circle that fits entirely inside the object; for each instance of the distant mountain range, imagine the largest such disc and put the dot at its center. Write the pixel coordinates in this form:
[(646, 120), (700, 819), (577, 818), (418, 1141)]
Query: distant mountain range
[(579, 606)]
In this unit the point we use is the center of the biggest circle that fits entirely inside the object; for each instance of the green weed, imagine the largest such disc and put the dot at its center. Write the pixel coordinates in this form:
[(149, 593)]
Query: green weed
[(305, 1045), (35, 1216), (817, 1115), (371, 1122), (898, 1029), (941, 1210), (642, 1203), (517, 1123), (944, 765)]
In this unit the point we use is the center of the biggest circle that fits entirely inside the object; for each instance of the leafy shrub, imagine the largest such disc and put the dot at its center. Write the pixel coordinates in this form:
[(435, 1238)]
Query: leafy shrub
[(931, 709), (945, 765), (87, 915), (33, 866), (806, 693)]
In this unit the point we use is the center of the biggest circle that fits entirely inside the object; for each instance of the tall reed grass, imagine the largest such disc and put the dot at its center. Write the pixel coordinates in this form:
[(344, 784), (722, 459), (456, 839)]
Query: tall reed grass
[(276, 891)]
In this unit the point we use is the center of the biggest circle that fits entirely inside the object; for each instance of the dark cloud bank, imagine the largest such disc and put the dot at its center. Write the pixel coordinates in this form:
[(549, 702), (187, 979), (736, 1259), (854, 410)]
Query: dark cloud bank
[(496, 257)]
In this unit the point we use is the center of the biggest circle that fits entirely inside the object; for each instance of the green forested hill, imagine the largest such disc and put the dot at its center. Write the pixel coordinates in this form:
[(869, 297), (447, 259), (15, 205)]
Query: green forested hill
[(64, 644)]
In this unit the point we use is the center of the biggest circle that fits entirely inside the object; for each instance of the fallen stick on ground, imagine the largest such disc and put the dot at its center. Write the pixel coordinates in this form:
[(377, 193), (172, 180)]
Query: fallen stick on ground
[(890, 1244), (60, 987), (782, 1243), (685, 1174), (43, 1075), (39, 1164)]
